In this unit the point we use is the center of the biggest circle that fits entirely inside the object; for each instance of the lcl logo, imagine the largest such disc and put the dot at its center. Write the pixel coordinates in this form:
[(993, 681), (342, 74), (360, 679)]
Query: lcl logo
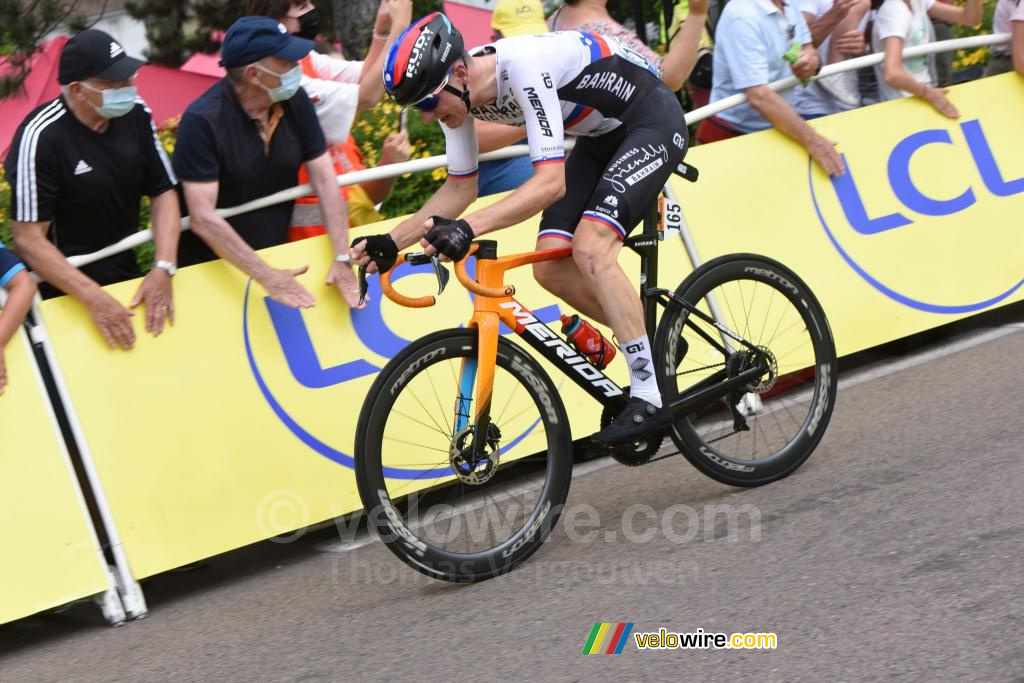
[(920, 205), (305, 366)]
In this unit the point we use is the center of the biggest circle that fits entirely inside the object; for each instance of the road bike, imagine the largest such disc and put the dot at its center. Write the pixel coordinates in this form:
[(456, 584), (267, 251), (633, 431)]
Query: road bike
[(464, 451)]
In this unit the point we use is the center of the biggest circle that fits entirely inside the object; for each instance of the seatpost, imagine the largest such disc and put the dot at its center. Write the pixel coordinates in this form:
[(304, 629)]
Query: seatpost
[(649, 269)]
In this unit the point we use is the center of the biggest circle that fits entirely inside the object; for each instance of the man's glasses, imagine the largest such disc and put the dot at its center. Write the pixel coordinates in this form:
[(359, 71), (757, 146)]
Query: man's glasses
[(429, 103)]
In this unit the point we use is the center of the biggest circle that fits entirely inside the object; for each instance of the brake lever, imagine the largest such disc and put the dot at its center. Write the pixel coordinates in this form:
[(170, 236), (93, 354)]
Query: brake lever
[(421, 259), (364, 286), (441, 272)]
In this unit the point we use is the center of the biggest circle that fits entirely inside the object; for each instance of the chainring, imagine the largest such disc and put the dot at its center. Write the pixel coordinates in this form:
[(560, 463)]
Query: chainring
[(631, 454)]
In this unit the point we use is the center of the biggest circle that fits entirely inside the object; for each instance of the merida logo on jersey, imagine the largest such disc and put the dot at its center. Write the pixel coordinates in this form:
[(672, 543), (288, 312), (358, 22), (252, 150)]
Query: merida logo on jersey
[(538, 107), (610, 81)]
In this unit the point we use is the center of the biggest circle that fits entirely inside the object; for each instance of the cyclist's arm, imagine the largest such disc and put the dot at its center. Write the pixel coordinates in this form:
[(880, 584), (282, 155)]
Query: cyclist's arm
[(542, 113), (450, 200), (539, 192)]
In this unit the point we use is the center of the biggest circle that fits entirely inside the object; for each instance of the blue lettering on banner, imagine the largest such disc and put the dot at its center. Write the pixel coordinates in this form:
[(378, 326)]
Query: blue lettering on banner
[(917, 201), (304, 364)]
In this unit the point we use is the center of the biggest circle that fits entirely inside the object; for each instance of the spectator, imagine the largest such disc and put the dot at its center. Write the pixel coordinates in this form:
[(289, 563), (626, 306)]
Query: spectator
[(246, 138), (1000, 57), (592, 16), (1017, 37), (752, 42), (943, 61), (339, 90), (79, 166), (837, 31), (20, 291), (907, 23)]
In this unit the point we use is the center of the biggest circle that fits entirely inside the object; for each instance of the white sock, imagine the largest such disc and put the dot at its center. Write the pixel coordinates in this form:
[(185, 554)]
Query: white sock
[(642, 381)]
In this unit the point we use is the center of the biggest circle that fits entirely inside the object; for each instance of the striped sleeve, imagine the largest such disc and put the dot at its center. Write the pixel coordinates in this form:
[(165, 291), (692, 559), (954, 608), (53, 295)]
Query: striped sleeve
[(30, 171), (160, 175)]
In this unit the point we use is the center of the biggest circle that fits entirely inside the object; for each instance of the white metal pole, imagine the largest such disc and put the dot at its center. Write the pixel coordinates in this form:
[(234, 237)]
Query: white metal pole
[(128, 588)]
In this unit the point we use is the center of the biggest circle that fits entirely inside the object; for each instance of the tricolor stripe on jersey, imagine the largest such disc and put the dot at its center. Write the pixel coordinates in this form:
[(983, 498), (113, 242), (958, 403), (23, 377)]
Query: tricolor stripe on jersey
[(607, 220), (559, 234)]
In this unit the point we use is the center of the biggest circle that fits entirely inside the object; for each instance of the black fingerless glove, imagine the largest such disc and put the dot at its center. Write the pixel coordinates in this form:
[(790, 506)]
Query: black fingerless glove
[(381, 249), (451, 238)]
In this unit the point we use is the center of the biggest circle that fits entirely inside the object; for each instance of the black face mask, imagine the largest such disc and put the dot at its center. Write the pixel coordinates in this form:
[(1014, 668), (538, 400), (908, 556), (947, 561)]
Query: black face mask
[(309, 25)]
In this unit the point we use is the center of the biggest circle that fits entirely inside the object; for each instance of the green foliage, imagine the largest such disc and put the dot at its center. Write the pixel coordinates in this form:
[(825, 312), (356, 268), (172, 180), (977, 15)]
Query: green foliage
[(410, 190), (21, 32), (176, 29)]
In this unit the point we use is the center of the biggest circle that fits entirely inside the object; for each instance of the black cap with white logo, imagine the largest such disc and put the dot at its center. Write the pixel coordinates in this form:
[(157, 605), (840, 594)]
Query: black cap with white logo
[(94, 54)]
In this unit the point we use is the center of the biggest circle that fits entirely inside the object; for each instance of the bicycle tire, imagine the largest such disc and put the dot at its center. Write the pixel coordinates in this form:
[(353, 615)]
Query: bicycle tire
[(804, 377), (406, 537)]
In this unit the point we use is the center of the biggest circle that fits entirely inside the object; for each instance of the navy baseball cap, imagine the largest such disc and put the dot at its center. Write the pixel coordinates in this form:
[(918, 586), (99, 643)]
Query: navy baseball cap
[(94, 54), (250, 39)]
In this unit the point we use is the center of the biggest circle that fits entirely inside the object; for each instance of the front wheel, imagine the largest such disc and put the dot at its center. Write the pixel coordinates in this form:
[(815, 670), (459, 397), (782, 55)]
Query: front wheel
[(449, 508), (766, 430)]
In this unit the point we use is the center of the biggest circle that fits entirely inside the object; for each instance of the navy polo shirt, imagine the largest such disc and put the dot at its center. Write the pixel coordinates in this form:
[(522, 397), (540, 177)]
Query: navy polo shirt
[(218, 141)]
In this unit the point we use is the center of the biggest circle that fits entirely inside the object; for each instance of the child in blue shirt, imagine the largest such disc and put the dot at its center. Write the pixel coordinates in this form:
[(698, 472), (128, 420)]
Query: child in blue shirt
[(20, 290)]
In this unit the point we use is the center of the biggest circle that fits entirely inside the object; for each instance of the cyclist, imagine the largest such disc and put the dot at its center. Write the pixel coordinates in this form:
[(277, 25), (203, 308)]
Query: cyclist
[(632, 136)]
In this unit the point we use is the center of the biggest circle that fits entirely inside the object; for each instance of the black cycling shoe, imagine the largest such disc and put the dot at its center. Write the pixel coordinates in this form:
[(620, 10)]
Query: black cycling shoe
[(637, 420)]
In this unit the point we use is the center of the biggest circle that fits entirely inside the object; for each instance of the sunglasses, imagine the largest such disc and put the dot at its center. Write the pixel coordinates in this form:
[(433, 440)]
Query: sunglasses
[(429, 103)]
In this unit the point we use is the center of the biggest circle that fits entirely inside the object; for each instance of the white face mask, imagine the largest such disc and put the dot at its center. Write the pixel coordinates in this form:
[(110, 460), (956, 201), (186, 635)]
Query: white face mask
[(289, 83)]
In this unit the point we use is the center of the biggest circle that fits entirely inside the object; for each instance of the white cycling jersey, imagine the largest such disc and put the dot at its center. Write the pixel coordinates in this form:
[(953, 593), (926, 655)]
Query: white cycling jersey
[(553, 84)]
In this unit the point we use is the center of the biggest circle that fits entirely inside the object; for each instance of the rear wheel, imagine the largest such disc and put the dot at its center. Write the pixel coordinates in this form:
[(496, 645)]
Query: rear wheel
[(769, 428), (448, 508)]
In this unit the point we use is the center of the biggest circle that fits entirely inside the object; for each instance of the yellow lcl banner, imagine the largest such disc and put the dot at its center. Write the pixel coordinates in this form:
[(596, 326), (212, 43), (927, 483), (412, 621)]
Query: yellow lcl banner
[(238, 423), (51, 555)]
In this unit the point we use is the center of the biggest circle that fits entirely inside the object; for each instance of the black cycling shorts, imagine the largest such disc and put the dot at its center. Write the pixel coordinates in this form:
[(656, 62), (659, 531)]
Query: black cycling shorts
[(613, 178)]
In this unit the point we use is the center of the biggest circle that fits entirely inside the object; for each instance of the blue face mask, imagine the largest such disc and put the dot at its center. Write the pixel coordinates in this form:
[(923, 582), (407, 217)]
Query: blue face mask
[(116, 101), (289, 83)]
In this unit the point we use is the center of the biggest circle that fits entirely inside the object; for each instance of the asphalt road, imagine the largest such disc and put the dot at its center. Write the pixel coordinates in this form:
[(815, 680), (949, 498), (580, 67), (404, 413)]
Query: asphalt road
[(895, 552)]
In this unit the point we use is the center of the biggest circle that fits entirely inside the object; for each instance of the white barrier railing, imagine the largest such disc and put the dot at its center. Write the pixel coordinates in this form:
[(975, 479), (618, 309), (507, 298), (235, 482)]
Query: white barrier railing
[(430, 163)]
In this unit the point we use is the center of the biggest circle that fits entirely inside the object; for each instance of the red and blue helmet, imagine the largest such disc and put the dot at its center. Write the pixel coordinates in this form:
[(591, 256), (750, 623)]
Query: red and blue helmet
[(420, 59)]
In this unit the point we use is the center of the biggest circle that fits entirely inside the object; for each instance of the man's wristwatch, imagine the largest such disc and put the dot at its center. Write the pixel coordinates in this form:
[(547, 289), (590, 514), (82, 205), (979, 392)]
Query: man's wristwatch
[(343, 258), (167, 267)]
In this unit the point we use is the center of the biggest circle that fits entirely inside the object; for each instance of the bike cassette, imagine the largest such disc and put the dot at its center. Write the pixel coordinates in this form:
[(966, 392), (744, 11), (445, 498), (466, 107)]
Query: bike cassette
[(475, 464), (631, 454)]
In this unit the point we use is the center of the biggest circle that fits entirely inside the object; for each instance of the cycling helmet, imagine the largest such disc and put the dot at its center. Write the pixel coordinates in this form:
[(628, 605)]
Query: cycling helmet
[(419, 60)]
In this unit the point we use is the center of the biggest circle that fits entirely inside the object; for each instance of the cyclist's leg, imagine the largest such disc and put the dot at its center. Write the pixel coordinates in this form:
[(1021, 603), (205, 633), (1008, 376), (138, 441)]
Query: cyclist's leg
[(649, 152), (562, 278)]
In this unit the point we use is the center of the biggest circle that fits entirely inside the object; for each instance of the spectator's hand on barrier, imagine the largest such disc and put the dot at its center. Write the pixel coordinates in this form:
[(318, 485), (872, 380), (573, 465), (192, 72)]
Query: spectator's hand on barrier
[(3, 373), (113, 320), (158, 296), (396, 148), (807, 63), (823, 151), (849, 42), (937, 98), (283, 288), (344, 278)]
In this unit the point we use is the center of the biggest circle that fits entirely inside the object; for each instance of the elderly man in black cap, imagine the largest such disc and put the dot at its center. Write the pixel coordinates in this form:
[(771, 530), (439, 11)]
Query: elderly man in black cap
[(78, 167), (246, 137)]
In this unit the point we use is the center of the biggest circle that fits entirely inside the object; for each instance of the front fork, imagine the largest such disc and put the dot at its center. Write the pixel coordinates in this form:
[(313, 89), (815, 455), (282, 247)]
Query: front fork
[(476, 378)]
